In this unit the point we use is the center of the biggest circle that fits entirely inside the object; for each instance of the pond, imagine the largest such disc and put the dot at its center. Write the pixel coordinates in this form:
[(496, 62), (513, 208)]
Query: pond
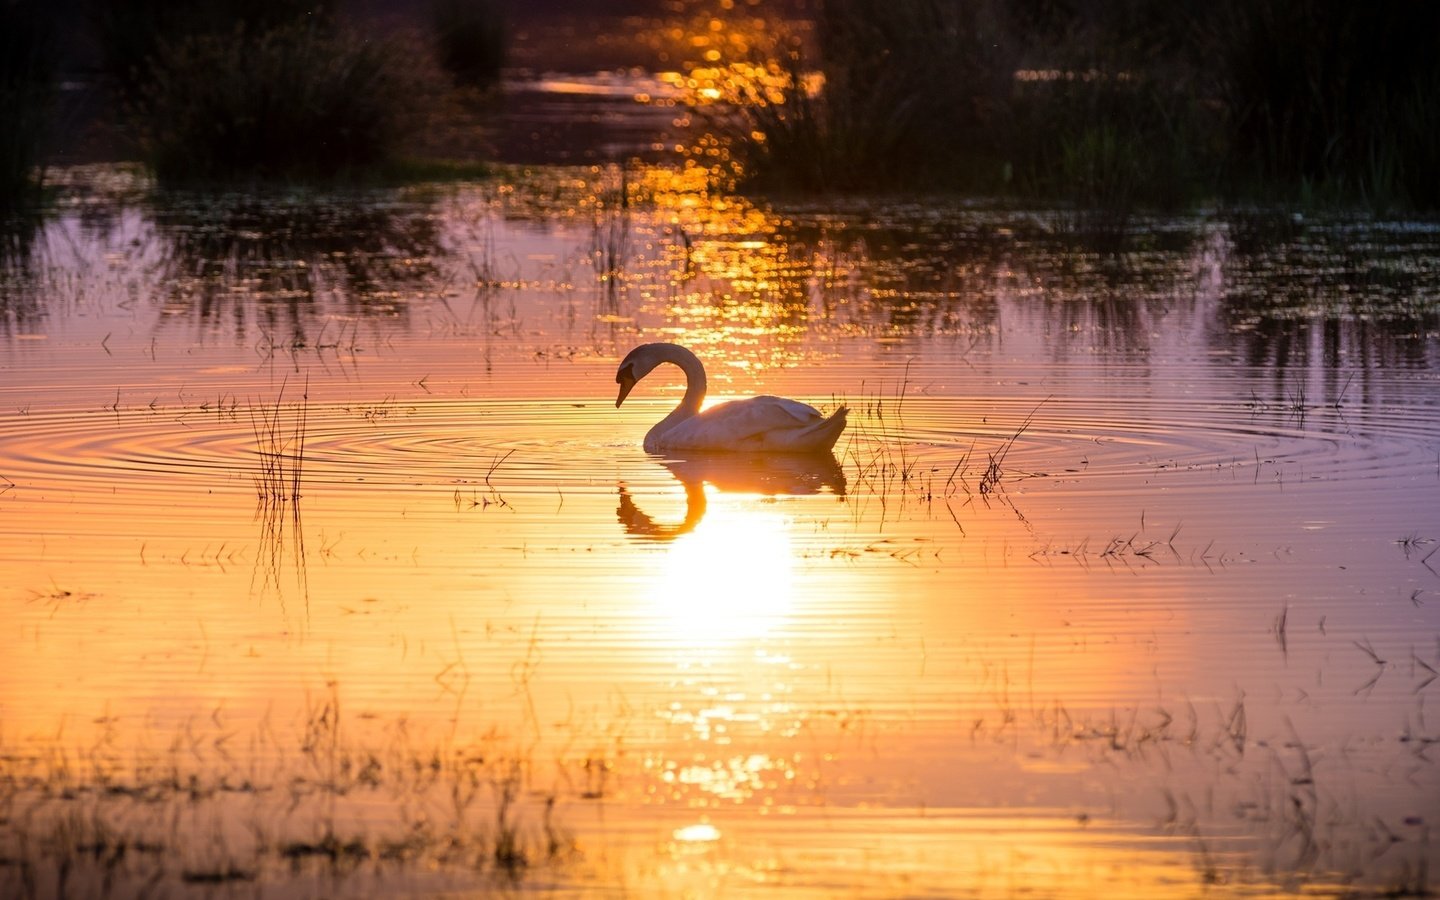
[(329, 566)]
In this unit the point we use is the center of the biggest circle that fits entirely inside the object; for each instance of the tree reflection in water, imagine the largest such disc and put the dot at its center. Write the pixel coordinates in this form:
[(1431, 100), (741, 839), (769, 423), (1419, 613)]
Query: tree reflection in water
[(284, 264)]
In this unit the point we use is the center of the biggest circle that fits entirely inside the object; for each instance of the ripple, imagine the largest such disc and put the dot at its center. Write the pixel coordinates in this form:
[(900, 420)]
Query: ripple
[(544, 445), (1102, 439), (439, 444)]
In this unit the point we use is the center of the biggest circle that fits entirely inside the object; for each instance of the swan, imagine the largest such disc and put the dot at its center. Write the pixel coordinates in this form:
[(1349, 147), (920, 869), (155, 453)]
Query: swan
[(756, 424)]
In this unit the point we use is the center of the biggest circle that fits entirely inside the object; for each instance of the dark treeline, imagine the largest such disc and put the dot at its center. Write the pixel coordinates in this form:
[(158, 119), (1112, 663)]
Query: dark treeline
[(233, 90), (1109, 104), (1117, 102)]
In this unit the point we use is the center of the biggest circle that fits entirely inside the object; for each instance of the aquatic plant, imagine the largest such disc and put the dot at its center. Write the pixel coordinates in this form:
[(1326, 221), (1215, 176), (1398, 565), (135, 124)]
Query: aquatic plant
[(296, 101), (279, 477), (1109, 106), (1108, 142), (286, 247), (281, 456), (610, 238), (1326, 99), (310, 799), (897, 103)]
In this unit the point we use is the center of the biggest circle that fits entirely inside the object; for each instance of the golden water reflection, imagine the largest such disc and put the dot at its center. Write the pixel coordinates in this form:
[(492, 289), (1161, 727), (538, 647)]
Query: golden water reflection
[(722, 596), (784, 652), (783, 475), (504, 616), (731, 577)]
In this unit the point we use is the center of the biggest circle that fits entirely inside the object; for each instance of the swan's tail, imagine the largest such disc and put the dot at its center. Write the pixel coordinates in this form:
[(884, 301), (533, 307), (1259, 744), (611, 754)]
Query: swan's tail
[(816, 438), (834, 425)]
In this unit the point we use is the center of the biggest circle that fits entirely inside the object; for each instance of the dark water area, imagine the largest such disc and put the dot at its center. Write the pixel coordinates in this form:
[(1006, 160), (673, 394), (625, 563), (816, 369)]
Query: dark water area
[(321, 536)]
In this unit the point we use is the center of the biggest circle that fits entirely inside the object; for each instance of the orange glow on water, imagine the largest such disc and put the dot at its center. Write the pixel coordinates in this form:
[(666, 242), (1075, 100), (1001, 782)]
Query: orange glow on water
[(731, 578), (1059, 603)]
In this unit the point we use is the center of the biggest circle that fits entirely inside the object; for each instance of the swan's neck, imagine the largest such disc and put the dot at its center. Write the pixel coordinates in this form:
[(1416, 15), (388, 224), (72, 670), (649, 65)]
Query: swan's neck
[(695, 387), (695, 384)]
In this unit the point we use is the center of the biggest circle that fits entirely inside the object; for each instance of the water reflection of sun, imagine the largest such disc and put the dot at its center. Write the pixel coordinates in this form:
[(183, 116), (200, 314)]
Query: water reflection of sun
[(730, 579)]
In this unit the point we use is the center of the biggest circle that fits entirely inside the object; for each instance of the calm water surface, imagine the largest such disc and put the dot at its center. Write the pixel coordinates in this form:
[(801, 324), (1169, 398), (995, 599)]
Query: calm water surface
[(328, 565)]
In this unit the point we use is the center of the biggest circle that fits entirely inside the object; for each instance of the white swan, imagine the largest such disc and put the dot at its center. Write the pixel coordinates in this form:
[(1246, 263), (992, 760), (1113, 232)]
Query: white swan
[(757, 424)]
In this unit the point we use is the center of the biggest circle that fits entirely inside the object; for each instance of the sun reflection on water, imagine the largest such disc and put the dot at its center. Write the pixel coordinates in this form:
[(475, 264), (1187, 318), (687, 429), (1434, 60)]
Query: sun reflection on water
[(731, 579), (722, 598), (961, 691), (701, 832)]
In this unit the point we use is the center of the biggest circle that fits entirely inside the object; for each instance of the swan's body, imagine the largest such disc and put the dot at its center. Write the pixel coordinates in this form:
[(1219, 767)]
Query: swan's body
[(757, 424)]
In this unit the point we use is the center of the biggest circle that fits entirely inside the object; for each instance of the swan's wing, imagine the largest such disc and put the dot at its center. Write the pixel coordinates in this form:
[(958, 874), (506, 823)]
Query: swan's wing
[(741, 422), (802, 413)]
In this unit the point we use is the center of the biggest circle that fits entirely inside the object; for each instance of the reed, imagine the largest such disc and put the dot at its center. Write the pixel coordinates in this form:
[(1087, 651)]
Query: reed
[(895, 107), (213, 106), (385, 806), (305, 801), (884, 461), (1109, 107), (281, 452), (279, 476), (610, 235), (1329, 101)]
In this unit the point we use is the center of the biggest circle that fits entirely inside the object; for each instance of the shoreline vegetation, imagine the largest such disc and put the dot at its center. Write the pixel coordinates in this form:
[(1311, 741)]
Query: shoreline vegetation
[(1072, 607), (1107, 107)]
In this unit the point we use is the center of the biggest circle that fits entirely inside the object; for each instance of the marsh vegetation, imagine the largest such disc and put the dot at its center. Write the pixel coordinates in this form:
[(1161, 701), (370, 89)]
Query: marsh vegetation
[(1110, 106), (328, 565), (335, 568)]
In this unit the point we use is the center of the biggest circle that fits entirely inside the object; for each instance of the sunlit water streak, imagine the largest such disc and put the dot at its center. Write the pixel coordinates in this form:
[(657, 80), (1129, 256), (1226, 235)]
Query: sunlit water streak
[(1206, 554)]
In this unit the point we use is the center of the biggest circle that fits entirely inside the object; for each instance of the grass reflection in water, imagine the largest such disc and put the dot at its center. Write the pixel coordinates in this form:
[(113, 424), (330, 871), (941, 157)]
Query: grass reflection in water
[(1120, 578)]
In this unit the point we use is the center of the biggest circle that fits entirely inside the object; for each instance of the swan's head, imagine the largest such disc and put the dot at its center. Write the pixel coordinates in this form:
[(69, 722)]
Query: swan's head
[(636, 365), (626, 382)]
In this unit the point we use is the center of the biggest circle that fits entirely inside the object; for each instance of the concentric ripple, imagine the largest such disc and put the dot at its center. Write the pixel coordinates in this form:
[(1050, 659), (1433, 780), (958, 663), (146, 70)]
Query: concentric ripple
[(541, 445), (1097, 442)]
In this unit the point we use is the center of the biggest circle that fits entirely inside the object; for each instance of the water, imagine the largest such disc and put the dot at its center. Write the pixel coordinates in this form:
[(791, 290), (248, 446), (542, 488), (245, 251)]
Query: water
[(328, 564)]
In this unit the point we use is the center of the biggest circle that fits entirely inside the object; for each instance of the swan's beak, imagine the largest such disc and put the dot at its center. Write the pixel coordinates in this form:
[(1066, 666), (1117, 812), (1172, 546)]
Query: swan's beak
[(626, 384)]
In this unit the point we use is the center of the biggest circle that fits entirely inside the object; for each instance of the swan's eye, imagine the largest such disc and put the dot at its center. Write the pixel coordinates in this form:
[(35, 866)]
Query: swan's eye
[(624, 375)]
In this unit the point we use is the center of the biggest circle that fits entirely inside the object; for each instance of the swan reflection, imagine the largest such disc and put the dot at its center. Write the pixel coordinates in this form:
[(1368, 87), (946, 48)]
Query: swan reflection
[(780, 475), (728, 576)]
